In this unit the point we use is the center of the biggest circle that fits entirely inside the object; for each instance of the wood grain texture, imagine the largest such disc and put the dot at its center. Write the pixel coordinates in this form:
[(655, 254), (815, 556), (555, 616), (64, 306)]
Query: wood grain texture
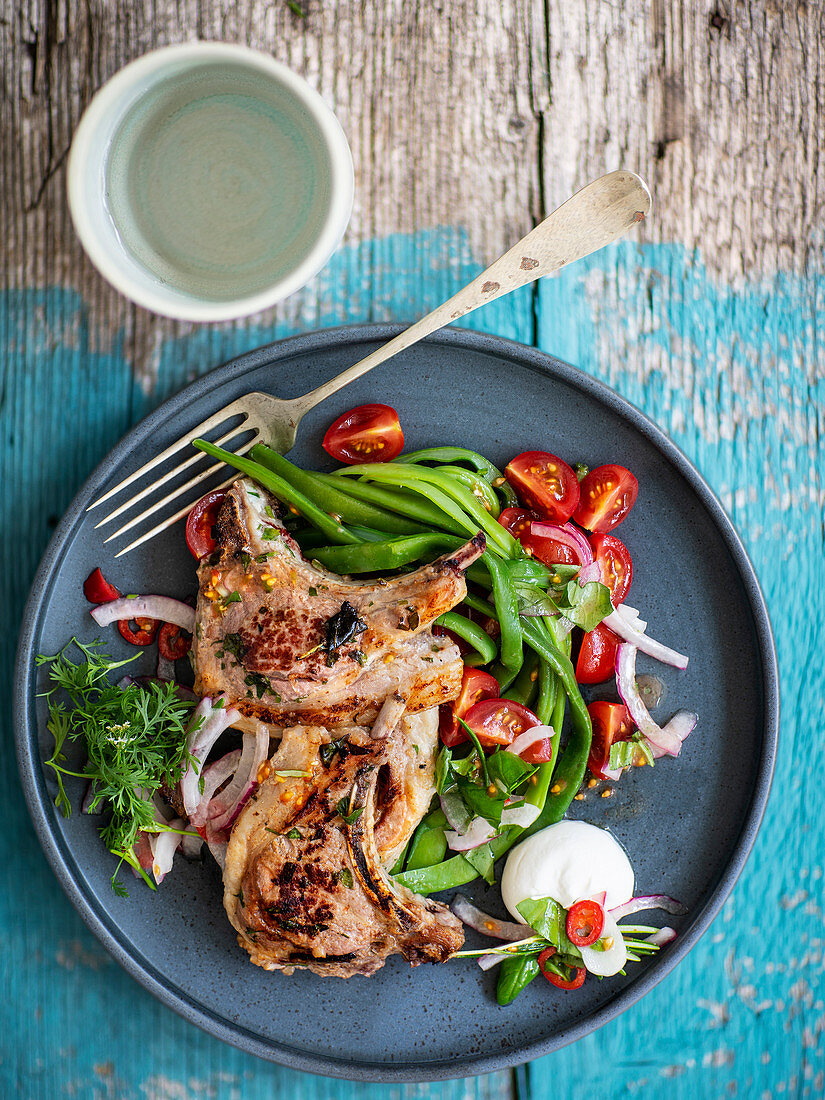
[(467, 121)]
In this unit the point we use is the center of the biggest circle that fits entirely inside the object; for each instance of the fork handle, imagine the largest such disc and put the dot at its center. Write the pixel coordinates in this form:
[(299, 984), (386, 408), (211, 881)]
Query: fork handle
[(600, 213)]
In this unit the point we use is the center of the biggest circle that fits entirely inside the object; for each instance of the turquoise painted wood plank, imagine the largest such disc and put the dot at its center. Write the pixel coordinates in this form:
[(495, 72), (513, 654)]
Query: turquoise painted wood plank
[(735, 376), (74, 1024)]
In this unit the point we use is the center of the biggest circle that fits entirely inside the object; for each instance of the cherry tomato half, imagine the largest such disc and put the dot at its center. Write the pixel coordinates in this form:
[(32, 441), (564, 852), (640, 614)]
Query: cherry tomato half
[(548, 550), (597, 656), (607, 495), (475, 686), (145, 631), (575, 982), (616, 565), (611, 722), (370, 433), (517, 521), (545, 483), (499, 721), (97, 589), (585, 921), (173, 643), (199, 524)]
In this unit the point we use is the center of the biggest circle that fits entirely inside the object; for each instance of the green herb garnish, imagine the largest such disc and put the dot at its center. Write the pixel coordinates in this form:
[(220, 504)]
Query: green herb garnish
[(135, 740)]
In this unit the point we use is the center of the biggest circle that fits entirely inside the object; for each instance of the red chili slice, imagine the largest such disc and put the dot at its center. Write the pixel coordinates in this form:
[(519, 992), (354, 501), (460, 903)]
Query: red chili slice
[(575, 982), (585, 921), (173, 643), (97, 589), (145, 633)]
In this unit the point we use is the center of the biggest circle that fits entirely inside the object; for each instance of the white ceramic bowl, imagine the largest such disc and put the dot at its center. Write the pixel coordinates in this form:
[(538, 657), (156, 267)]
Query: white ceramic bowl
[(87, 182)]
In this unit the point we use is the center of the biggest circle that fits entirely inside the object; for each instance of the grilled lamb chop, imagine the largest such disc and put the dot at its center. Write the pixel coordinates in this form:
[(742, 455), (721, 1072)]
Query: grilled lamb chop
[(287, 642), (304, 884)]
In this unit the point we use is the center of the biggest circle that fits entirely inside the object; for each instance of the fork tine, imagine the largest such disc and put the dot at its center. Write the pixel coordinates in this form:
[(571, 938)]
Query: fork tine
[(211, 422), (240, 430), (176, 493), (167, 522)]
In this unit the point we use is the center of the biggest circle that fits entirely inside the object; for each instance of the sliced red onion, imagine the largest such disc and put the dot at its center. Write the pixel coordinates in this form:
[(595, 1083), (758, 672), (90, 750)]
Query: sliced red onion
[(632, 616), (487, 962), (626, 684), (225, 806), (523, 815), (652, 901), (213, 776), (662, 937), (620, 624), (482, 922), (125, 682), (216, 840), (682, 723), (201, 740), (164, 845), (480, 832), (568, 535), (166, 669), (164, 608), (612, 773), (528, 738), (191, 845), (591, 572)]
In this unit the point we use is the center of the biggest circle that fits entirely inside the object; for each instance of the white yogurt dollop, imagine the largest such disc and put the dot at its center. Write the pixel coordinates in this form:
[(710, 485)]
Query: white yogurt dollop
[(568, 861)]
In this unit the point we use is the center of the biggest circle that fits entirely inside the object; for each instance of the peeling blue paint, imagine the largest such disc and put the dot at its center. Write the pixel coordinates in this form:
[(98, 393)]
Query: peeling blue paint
[(735, 374)]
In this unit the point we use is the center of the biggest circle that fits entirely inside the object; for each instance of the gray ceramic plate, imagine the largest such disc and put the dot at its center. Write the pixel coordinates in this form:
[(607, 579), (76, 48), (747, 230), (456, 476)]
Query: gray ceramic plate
[(688, 824)]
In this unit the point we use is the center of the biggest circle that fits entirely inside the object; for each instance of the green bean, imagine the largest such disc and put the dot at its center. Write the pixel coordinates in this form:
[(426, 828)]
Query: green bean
[(484, 607), (505, 676), (283, 491), (417, 484), (489, 472), (377, 557), (537, 637), (524, 684), (548, 692), (436, 486), (331, 497), (398, 500), (471, 632), (477, 486), (398, 866), (513, 975), (429, 844), (453, 872), (506, 612)]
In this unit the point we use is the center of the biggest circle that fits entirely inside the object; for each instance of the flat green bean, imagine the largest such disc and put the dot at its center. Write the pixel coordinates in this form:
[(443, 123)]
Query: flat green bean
[(471, 632), (524, 684), (283, 491), (399, 500), (377, 557), (436, 486), (506, 612), (477, 486), (331, 497), (489, 472)]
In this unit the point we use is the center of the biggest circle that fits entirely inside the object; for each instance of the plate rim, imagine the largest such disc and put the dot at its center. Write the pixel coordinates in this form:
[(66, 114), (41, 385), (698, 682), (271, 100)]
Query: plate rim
[(65, 866)]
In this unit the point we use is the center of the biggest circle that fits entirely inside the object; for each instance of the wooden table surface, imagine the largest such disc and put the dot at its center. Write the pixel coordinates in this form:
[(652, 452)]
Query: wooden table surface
[(467, 120)]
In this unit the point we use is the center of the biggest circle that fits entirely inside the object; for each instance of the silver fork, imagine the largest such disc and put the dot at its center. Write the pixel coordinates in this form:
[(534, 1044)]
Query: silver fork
[(592, 218)]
